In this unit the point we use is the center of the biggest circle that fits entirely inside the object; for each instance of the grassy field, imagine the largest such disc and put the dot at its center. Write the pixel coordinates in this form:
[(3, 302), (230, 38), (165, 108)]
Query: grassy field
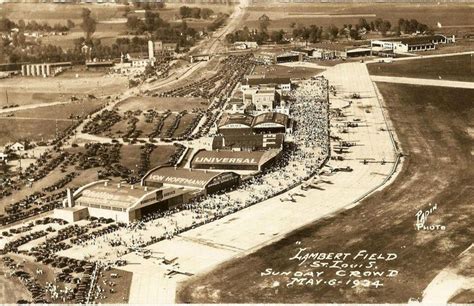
[(31, 90), (12, 130), (282, 15), (289, 72), (130, 156), (434, 133), (40, 124), (161, 104), (457, 68)]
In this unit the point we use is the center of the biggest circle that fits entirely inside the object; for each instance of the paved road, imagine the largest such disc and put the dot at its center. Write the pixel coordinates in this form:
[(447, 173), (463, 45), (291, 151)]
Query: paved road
[(425, 82)]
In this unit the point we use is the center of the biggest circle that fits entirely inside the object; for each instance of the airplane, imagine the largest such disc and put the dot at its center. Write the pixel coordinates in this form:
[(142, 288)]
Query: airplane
[(172, 272), (289, 199)]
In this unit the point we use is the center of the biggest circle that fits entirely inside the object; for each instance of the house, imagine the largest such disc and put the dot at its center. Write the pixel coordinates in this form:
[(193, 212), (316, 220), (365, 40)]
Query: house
[(3, 157), (245, 45), (16, 147)]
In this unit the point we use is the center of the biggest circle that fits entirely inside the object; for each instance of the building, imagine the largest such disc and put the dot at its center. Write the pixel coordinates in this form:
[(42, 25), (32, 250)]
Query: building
[(410, 44), (264, 99), (264, 123), (288, 57), (272, 123), (17, 147), (235, 160), (120, 202), (235, 124), (3, 157), (257, 81), (328, 51), (200, 58), (246, 45), (256, 142), (45, 69), (198, 182)]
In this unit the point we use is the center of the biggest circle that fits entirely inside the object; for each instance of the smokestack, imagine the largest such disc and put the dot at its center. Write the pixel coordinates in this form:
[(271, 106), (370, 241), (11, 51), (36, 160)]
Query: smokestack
[(151, 50), (132, 187), (70, 199), (119, 185), (106, 183)]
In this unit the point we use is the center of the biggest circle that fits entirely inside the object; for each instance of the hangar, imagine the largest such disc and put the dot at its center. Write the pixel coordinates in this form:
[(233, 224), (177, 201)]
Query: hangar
[(120, 202), (271, 123), (235, 124), (199, 182), (232, 160), (265, 123), (257, 142)]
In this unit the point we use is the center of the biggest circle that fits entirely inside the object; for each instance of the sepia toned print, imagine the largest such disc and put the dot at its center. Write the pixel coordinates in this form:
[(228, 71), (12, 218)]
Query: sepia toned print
[(222, 152)]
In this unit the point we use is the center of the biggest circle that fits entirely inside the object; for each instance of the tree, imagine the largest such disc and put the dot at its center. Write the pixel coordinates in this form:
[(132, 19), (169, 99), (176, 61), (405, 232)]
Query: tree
[(88, 23), (206, 13), (263, 22), (70, 24)]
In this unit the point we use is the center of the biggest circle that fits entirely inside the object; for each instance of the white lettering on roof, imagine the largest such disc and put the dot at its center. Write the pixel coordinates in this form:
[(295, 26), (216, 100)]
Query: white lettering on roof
[(225, 160), (176, 180)]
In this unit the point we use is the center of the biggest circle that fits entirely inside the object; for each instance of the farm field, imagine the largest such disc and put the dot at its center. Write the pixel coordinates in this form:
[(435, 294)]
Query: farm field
[(283, 15), (110, 18), (456, 68), (159, 104), (288, 72), (434, 134)]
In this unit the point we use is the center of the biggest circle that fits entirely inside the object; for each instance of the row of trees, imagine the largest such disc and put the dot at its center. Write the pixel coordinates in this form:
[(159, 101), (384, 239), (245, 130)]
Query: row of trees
[(314, 33), (195, 12), (6, 25)]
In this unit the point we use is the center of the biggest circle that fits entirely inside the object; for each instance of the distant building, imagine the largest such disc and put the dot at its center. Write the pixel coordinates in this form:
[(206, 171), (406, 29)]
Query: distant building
[(45, 69), (246, 45), (3, 156), (410, 44), (257, 81), (17, 147), (264, 99)]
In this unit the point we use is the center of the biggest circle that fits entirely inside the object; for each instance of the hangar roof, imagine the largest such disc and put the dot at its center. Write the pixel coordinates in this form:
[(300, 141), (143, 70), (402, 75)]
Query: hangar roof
[(248, 141), (181, 176), (236, 119), (244, 158), (113, 195), (270, 117)]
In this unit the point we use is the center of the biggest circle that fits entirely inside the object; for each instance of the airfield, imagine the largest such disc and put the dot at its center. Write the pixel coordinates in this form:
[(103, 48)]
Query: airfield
[(400, 142)]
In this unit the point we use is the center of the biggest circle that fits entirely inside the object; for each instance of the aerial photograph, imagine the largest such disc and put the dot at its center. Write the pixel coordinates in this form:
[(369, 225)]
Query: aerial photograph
[(237, 152)]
